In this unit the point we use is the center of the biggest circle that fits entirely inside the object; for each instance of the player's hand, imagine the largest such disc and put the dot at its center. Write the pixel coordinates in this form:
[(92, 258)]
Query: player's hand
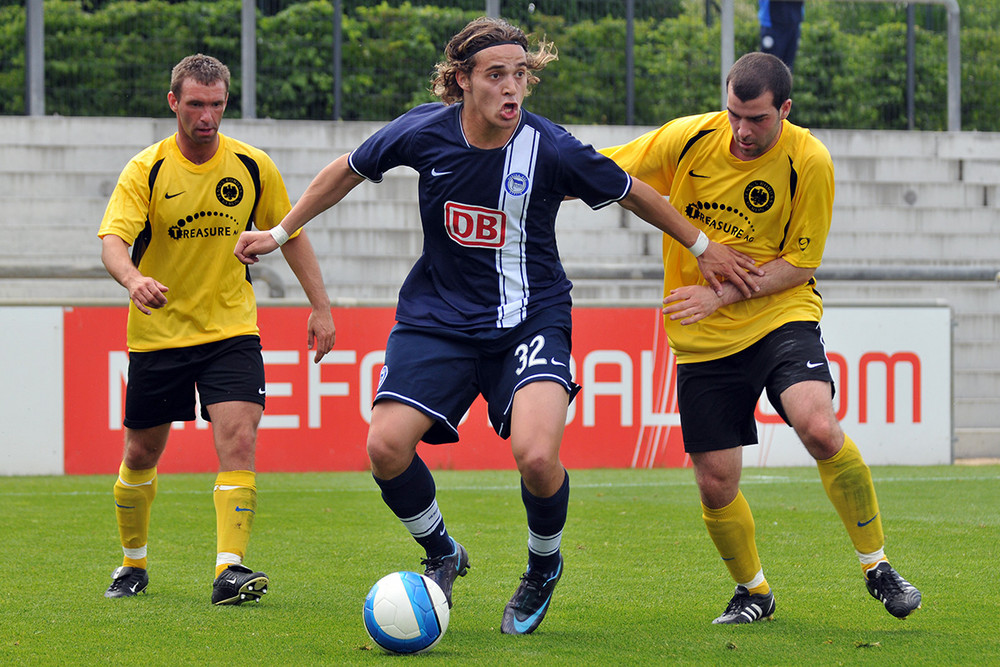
[(732, 265), (691, 303), (322, 332), (146, 293), (251, 245)]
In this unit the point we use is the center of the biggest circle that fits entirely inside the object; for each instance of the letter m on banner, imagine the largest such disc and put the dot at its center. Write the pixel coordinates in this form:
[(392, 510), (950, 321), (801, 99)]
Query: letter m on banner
[(475, 226)]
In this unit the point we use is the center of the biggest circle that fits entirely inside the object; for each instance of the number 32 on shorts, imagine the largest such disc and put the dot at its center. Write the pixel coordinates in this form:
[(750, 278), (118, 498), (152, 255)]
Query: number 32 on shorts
[(530, 354)]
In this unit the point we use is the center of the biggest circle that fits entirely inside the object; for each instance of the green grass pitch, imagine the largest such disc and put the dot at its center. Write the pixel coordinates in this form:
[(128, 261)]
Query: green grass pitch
[(642, 581)]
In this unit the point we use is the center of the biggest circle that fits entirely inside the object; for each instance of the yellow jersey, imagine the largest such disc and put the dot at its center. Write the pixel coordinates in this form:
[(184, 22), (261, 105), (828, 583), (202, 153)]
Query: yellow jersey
[(182, 221), (777, 205)]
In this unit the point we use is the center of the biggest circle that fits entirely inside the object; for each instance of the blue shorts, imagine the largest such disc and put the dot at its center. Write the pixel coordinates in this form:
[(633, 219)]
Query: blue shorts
[(441, 372), (717, 398), (781, 41), (161, 384)]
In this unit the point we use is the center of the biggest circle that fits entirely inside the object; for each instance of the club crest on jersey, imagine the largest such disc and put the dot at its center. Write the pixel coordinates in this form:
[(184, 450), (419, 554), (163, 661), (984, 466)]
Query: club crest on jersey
[(759, 196), (229, 191), (475, 226), (515, 184)]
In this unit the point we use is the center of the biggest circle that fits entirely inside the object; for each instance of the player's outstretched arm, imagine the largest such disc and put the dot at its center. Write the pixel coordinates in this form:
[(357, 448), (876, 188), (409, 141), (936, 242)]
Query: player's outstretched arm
[(328, 187), (714, 260), (145, 292)]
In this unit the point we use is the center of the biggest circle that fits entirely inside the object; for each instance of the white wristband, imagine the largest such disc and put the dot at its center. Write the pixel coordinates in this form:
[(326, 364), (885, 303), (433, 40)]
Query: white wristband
[(699, 246), (280, 236)]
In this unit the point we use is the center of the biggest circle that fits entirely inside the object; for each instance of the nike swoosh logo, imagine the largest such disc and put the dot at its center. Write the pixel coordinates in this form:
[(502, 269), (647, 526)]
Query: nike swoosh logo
[(244, 509), (556, 363), (813, 364), (865, 523), (125, 507), (134, 586), (694, 175), (231, 581), (731, 558), (521, 626), (171, 196), (435, 172), (260, 391)]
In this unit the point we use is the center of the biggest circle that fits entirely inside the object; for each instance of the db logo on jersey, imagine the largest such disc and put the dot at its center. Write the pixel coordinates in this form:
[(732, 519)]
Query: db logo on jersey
[(475, 226)]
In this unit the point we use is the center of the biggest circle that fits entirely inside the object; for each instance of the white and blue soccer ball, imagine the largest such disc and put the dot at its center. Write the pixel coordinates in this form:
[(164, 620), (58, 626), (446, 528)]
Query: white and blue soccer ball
[(406, 612)]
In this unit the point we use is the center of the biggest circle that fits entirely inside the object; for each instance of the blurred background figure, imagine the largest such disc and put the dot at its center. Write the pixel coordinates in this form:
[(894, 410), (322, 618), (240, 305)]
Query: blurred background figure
[(780, 22)]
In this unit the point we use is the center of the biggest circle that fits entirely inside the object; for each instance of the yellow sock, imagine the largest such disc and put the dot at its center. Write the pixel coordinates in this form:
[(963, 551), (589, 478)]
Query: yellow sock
[(235, 498), (848, 483), (134, 492), (732, 530)]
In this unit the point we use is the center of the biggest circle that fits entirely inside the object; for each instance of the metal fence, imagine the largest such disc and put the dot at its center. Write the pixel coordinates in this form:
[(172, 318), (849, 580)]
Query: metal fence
[(861, 65)]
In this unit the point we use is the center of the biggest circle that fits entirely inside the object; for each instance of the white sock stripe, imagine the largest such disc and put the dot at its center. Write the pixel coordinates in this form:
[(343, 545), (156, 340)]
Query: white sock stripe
[(423, 524), (544, 546), (229, 487), (135, 554), (757, 580), (146, 483), (226, 558), (873, 557)]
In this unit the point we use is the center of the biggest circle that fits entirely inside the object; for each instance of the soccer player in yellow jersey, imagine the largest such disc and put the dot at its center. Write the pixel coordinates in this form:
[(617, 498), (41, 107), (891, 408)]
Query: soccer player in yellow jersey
[(181, 204), (752, 180)]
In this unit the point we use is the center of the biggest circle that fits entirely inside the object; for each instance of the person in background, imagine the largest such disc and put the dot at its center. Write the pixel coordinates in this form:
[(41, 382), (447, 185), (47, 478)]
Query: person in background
[(756, 182), (180, 205), (780, 28)]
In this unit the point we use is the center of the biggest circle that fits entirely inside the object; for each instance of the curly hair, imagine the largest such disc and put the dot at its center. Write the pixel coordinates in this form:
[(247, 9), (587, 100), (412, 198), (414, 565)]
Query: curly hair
[(479, 34), (206, 70)]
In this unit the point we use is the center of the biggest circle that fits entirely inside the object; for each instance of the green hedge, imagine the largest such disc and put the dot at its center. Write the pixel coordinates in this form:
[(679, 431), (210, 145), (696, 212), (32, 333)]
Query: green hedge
[(850, 73)]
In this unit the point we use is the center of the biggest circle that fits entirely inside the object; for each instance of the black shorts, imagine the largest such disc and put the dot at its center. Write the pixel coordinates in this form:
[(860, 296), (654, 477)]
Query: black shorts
[(441, 372), (161, 384), (717, 398)]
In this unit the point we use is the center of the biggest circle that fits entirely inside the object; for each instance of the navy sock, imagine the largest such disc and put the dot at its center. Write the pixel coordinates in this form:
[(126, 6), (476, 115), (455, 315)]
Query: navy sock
[(411, 497), (546, 519)]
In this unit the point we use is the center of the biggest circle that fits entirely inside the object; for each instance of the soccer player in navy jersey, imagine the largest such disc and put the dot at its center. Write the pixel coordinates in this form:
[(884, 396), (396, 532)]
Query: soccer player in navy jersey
[(486, 308)]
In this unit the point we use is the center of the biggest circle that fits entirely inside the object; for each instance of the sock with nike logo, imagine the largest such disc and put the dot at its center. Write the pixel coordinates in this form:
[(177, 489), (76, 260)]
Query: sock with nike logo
[(235, 498), (734, 532), (848, 483), (134, 493), (411, 496), (546, 519)]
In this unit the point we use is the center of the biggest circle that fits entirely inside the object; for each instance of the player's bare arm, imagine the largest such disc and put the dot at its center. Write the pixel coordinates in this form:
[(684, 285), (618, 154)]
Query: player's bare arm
[(145, 292), (692, 303), (328, 187), (717, 260), (322, 333)]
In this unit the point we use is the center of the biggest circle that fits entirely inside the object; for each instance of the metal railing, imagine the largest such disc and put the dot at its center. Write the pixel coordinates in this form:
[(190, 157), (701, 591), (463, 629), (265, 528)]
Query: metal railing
[(727, 49), (34, 99)]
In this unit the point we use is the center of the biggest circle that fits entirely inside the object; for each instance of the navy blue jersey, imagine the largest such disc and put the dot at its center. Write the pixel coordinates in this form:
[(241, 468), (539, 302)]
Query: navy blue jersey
[(489, 254)]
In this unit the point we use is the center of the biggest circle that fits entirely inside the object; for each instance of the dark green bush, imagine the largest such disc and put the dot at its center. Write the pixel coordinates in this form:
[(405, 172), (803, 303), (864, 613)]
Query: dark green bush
[(113, 58)]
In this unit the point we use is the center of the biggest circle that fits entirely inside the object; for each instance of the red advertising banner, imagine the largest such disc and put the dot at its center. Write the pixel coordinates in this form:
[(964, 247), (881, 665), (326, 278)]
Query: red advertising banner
[(317, 415)]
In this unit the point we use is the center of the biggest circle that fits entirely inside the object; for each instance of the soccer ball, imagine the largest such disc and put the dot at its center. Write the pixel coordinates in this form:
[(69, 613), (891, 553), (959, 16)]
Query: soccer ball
[(406, 612)]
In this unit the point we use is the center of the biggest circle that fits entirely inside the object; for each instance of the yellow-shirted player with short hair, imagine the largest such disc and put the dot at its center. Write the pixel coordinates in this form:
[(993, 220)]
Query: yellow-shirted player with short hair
[(752, 180), (180, 205)]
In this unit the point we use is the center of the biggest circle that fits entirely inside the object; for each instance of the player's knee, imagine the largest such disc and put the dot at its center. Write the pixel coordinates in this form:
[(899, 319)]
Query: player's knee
[(821, 438), (388, 458), (538, 467)]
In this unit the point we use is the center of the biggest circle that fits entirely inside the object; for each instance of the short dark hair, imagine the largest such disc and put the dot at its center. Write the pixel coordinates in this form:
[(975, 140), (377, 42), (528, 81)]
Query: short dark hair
[(756, 73), (206, 70), (479, 34)]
